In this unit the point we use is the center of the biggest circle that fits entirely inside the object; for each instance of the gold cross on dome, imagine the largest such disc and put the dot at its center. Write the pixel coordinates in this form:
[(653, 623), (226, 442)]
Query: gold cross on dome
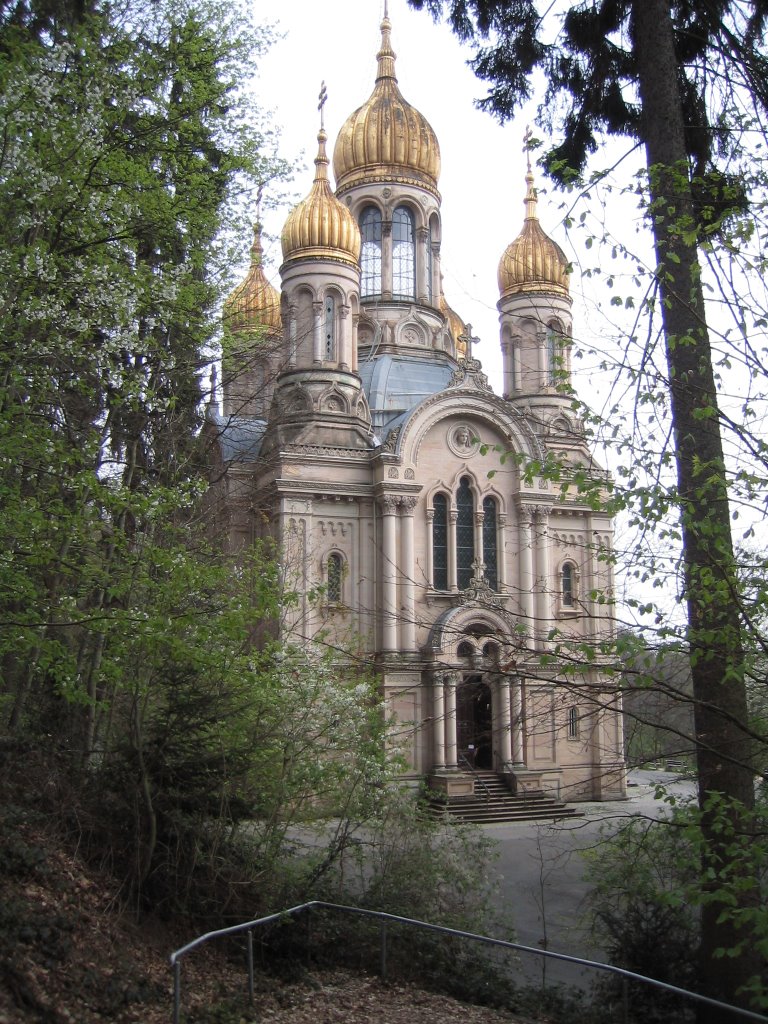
[(527, 137)]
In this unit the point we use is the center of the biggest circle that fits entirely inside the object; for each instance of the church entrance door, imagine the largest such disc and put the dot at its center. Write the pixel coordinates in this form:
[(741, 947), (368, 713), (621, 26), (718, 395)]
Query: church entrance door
[(474, 721)]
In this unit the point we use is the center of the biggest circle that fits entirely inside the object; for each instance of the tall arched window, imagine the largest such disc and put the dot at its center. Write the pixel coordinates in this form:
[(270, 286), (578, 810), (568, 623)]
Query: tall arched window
[(568, 583), (554, 353), (334, 578), (440, 543), (370, 252), (490, 556), (465, 533), (430, 267), (330, 328), (403, 255)]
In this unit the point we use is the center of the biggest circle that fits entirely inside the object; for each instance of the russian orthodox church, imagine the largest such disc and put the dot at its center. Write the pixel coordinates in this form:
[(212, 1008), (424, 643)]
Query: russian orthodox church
[(414, 520)]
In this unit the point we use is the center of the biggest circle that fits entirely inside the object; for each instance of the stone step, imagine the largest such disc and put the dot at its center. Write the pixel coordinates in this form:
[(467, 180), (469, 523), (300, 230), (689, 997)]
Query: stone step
[(493, 802)]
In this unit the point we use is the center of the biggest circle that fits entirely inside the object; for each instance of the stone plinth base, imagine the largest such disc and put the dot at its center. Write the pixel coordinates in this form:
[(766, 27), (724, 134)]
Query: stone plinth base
[(522, 780), (452, 785)]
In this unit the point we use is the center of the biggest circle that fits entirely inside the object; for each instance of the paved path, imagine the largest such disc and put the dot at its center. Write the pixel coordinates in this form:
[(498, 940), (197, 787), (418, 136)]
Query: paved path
[(542, 876)]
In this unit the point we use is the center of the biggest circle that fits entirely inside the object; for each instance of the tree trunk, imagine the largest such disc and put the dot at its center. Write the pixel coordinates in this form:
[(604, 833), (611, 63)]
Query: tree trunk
[(709, 572)]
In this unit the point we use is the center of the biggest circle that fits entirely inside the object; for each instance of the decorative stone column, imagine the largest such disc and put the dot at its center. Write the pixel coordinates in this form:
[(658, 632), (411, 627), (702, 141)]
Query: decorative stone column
[(388, 506), (317, 332), (422, 265), (353, 340), (437, 276), (543, 605), (505, 730), (343, 354), (453, 515), (517, 358), (451, 753), (516, 691), (478, 525), (501, 550), (407, 575), (430, 547), (541, 356), (438, 712), (526, 581), (292, 333), (386, 259)]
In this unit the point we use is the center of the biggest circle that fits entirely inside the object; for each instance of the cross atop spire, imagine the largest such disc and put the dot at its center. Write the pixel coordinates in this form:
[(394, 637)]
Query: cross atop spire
[(527, 137), (322, 100)]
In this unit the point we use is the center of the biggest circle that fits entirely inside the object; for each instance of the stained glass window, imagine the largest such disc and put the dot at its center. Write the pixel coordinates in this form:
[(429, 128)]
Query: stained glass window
[(335, 578), (573, 723), (440, 543), (490, 556), (465, 533)]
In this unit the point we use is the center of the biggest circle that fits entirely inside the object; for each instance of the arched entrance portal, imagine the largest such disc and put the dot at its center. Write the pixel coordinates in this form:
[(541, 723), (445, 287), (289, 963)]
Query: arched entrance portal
[(474, 722)]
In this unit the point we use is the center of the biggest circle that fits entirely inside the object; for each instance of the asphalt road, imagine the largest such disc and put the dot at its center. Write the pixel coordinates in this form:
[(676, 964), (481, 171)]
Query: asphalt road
[(541, 875)]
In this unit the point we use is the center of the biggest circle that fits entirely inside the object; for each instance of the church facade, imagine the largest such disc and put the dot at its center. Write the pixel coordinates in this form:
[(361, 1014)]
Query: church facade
[(410, 503)]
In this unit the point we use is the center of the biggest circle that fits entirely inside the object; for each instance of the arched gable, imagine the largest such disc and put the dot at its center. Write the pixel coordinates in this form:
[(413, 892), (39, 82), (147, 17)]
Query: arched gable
[(454, 624), (515, 433)]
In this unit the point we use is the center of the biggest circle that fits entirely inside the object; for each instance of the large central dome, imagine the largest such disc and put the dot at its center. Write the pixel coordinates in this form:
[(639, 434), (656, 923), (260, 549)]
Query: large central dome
[(386, 139)]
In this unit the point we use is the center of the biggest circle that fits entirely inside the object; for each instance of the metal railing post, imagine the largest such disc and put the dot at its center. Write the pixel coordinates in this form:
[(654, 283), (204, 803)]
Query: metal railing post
[(249, 937), (383, 940), (176, 991)]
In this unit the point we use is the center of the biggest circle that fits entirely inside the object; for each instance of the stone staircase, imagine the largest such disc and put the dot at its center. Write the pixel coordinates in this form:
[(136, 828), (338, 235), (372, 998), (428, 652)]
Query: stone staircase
[(493, 802)]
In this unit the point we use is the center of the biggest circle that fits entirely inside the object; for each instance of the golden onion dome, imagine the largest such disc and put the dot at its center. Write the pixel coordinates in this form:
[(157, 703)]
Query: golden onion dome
[(386, 139), (533, 262), (320, 226), (456, 326), (255, 303)]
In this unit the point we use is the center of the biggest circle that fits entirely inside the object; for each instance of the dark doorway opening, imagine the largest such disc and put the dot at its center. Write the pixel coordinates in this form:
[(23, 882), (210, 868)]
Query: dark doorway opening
[(474, 722)]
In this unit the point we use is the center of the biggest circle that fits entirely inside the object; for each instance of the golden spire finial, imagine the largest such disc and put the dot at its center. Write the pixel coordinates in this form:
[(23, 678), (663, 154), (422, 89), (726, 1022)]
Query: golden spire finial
[(530, 193), (257, 250), (321, 160), (386, 55)]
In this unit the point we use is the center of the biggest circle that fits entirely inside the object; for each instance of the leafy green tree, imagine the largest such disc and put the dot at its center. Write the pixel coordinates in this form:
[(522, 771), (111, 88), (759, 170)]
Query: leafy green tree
[(128, 143), (672, 76)]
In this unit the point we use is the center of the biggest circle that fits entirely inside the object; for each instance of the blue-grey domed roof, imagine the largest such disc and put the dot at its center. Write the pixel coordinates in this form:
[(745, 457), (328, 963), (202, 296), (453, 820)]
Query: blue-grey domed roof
[(396, 383), (239, 437)]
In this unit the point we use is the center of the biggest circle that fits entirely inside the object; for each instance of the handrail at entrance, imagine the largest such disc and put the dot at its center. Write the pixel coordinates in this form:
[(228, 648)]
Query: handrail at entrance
[(475, 776), (385, 919)]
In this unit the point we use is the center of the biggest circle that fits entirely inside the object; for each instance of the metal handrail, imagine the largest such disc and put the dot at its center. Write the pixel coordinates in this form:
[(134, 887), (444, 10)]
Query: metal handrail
[(249, 926), (476, 777)]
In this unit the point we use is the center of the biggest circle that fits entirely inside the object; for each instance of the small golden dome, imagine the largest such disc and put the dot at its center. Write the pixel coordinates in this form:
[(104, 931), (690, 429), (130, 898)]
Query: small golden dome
[(456, 325), (533, 262), (255, 303), (320, 226), (386, 139)]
